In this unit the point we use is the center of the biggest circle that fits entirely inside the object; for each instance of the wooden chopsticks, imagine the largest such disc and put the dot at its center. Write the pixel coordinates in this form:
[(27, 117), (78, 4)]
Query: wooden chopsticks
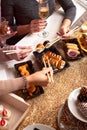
[(60, 38), (51, 43), (8, 52), (47, 64)]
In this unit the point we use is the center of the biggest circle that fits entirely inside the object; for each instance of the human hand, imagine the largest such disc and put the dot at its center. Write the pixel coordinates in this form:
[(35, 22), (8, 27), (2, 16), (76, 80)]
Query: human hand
[(40, 77), (66, 33), (23, 51), (17, 52), (37, 25), (63, 31), (5, 32)]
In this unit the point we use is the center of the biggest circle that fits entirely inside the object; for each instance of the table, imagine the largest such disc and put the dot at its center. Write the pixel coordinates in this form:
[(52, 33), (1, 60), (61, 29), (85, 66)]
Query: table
[(44, 108)]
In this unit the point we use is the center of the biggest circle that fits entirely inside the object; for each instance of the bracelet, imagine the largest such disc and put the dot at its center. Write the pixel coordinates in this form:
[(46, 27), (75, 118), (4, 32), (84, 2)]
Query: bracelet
[(25, 81)]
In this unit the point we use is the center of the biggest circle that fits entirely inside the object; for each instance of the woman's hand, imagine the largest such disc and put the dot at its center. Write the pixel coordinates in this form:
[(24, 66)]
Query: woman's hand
[(37, 25), (5, 32), (40, 77), (22, 52), (64, 31)]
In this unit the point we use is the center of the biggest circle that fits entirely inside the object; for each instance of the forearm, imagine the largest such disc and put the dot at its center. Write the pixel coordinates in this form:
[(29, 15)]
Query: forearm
[(23, 29), (69, 9), (8, 86), (4, 57), (66, 23)]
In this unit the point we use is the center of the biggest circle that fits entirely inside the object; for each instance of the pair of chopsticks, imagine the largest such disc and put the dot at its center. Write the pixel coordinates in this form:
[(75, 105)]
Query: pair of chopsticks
[(8, 52), (60, 38), (49, 75), (51, 43)]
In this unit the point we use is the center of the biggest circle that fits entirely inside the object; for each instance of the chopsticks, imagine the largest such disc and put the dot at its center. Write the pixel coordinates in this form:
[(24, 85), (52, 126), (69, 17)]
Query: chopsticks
[(51, 43), (8, 52), (75, 29), (50, 74), (60, 38)]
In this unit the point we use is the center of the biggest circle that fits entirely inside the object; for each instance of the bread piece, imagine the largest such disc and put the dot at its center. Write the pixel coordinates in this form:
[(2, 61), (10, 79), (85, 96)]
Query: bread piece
[(72, 46)]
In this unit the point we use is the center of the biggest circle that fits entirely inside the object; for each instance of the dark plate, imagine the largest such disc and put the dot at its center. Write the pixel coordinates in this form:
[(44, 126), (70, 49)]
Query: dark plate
[(30, 67), (73, 41), (23, 92), (25, 95), (54, 50)]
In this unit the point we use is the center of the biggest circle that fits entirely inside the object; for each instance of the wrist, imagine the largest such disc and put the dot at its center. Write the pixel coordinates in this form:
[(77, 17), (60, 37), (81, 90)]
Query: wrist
[(26, 83), (66, 23)]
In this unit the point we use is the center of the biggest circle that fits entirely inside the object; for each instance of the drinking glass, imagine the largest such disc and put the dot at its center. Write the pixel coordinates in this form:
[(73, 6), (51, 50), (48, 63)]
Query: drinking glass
[(43, 13), (5, 31)]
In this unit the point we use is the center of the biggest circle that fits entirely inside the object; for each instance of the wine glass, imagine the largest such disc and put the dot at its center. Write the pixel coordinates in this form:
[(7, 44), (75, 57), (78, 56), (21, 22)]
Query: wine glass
[(43, 13), (5, 31)]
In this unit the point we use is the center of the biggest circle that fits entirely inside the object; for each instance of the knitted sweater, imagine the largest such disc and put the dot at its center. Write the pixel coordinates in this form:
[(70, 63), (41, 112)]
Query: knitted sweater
[(26, 10)]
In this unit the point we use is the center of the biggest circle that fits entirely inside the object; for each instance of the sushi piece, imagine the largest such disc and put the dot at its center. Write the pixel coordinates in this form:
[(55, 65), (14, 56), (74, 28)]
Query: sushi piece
[(40, 47), (73, 53), (61, 64)]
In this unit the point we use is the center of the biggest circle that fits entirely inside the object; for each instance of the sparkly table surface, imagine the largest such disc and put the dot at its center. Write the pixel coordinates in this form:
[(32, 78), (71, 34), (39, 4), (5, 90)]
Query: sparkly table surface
[(44, 108)]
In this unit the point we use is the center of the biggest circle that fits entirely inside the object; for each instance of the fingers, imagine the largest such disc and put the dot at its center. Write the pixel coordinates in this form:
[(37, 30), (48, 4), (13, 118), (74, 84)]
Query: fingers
[(24, 51), (37, 25), (65, 33), (49, 73)]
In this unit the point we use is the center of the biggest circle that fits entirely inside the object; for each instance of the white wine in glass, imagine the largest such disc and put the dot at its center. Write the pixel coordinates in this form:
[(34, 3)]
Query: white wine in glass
[(43, 13), (5, 31)]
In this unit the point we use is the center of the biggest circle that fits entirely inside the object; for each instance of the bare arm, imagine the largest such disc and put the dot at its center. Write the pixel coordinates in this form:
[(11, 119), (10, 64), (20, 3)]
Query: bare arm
[(38, 78)]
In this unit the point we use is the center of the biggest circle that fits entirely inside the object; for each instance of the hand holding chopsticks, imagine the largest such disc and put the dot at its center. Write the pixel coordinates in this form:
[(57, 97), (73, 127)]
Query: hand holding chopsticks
[(19, 52), (68, 34), (8, 52), (47, 64)]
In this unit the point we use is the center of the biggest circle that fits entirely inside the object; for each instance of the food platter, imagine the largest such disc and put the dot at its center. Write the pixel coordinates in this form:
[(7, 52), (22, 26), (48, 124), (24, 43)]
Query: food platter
[(38, 127), (60, 124), (72, 104), (18, 107), (54, 51), (72, 49), (33, 90), (82, 39)]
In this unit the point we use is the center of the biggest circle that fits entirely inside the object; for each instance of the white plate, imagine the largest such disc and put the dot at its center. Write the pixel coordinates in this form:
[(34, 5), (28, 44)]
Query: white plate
[(60, 124), (39, 126), (72, 104)]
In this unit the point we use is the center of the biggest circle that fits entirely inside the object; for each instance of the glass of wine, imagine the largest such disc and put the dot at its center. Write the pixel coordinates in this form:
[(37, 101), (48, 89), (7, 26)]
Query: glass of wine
[(2, 25), (5, 31), (43, 13)]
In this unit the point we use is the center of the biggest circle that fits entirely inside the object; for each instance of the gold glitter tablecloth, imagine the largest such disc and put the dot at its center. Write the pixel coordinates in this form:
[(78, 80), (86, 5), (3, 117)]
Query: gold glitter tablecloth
[(44, 108)]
